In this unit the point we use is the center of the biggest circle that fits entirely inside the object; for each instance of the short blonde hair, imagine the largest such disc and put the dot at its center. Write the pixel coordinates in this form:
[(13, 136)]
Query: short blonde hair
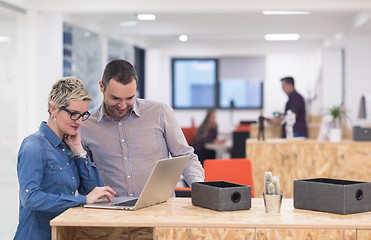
[(66, 89)]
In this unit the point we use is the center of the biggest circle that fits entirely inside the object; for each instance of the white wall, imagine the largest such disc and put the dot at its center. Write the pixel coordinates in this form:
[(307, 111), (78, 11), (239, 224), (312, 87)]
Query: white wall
[(45, 61), (357, 72), (12, 101), (332, 78), (300, 63), (32, 66)]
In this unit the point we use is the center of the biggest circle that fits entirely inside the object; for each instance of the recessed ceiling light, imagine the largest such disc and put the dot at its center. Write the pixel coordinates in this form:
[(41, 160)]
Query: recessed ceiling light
[(128, 23), (5, 39), (282, 37), (146, 17), (283, 12), (183, 38)]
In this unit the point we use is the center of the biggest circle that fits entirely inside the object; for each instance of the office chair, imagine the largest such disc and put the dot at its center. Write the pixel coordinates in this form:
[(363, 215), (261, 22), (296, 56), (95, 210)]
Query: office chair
[(237, 170), (239, 144), (189, 133)]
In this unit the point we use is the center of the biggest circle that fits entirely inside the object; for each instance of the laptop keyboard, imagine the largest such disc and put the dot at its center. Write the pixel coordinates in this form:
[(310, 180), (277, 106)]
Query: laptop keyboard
[(129, 203)]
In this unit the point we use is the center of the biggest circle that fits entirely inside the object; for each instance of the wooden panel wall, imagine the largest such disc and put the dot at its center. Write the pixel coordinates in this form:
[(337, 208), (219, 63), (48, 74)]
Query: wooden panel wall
[(204, 233), (307, 234), (290, 160)]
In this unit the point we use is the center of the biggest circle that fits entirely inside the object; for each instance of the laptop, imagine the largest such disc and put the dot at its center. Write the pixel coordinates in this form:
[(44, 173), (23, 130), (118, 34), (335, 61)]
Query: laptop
[(157, 189)]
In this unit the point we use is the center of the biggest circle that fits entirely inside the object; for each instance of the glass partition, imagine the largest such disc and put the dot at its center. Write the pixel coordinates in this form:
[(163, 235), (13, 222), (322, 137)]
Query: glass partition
[(13, 104)]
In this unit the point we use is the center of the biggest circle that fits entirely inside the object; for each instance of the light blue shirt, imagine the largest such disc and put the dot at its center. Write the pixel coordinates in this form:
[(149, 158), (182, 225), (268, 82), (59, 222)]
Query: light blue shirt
[(126, 151), (49, 175)]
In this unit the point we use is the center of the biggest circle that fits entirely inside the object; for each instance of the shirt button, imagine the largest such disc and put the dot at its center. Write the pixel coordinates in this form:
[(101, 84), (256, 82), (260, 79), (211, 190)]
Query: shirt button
[(68, 164), (73, 193), (86, 162), (130, 194), (26, 190), (125, 158), (63, 149), (73, 177), (129, 177), (122, 140), (60, 168)]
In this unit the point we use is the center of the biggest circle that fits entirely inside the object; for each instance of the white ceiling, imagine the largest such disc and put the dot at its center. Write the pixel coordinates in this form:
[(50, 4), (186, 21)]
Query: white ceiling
[(206, 22)]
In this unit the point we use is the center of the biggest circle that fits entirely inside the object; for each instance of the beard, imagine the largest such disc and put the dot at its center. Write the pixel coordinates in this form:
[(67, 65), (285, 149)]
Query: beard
[(116, 114)]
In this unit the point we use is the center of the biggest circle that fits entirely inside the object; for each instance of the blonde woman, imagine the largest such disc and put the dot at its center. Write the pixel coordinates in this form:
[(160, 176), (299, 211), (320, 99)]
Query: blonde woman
[(54, 171)]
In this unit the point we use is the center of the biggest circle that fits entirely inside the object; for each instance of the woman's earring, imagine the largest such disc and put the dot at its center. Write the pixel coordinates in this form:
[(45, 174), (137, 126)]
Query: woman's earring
[(54, 119)]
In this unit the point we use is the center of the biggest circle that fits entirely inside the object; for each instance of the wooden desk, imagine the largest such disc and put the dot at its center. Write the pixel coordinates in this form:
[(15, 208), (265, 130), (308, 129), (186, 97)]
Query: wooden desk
[(274, 131), (179, 219), (221, 149), (295, 159)]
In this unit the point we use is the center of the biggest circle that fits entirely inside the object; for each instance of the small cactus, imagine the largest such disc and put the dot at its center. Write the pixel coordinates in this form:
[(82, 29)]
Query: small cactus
[(271, 184)]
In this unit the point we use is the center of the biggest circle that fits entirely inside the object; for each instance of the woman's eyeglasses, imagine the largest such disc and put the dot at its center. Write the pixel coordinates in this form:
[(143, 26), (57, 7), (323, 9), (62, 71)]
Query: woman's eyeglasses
[(76, 115)]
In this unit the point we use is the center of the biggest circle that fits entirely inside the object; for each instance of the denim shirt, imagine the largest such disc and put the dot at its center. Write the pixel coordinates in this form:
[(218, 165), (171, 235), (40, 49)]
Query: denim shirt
[(49, 176)]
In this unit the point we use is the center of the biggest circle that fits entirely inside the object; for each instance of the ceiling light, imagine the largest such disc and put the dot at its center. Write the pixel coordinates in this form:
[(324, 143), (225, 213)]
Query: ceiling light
[(282, 37), (183, 38), (283, 12), (87, 34), (5, 39), (128, 23), (146, 17)]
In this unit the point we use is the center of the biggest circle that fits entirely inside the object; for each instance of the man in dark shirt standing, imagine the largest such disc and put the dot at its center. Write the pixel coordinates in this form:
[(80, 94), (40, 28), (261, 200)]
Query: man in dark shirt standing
[(296, 104)]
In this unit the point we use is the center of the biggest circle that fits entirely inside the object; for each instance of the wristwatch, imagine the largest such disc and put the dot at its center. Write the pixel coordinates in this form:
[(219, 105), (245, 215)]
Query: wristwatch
[(83, 154)]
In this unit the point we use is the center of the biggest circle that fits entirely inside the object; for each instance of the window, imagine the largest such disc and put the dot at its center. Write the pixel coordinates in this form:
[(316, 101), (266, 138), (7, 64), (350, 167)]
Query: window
[(218, 83), (241, 93), (194, 83), (82, 58)]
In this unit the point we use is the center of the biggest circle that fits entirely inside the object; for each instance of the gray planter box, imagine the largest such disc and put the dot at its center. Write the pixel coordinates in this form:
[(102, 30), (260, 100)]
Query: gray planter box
[(332, 195), (221, 196), (361, 134)]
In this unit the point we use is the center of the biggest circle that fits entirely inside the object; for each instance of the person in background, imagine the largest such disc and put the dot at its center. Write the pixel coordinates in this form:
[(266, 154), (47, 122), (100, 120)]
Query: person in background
[(206, 133), (126, 135), (296, 104), (54, 171)]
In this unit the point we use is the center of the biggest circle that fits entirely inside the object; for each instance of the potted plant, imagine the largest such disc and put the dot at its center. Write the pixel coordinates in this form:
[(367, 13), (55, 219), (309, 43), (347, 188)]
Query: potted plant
[(272, 195), (338, 114)]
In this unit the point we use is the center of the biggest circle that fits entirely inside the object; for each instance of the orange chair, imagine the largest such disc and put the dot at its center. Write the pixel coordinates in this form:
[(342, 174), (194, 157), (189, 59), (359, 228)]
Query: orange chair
[(236, 170), (189, 132), (243, 128), (182, 191)]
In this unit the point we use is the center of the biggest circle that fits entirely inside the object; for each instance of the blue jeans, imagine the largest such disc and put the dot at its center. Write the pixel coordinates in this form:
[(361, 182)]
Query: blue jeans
[(299, 134)]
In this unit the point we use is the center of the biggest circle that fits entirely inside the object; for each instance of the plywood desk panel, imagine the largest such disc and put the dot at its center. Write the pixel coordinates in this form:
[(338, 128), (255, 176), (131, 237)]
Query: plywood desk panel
[(298, 159), (179, 219)]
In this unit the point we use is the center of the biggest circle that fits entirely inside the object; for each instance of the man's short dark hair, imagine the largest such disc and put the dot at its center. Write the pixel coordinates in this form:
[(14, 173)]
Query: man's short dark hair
[(119, 70), (288, 80)]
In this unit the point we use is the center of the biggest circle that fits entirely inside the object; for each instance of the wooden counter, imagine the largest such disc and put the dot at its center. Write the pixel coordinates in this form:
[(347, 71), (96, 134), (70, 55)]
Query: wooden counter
[(295, 159), (274, 131), (179, 219)]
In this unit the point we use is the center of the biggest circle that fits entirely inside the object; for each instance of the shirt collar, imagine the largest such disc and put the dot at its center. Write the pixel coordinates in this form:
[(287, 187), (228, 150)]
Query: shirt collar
[(50, 135), (101, 113), (292, 93), (136, 108)]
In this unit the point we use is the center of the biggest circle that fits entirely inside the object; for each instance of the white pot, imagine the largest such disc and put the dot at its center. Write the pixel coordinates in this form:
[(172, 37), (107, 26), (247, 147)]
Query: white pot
[(335, 135)]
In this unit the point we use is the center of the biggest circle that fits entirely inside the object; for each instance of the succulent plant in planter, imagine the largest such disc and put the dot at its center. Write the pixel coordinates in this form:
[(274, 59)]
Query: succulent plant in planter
[(272, 194), (271, 184)]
